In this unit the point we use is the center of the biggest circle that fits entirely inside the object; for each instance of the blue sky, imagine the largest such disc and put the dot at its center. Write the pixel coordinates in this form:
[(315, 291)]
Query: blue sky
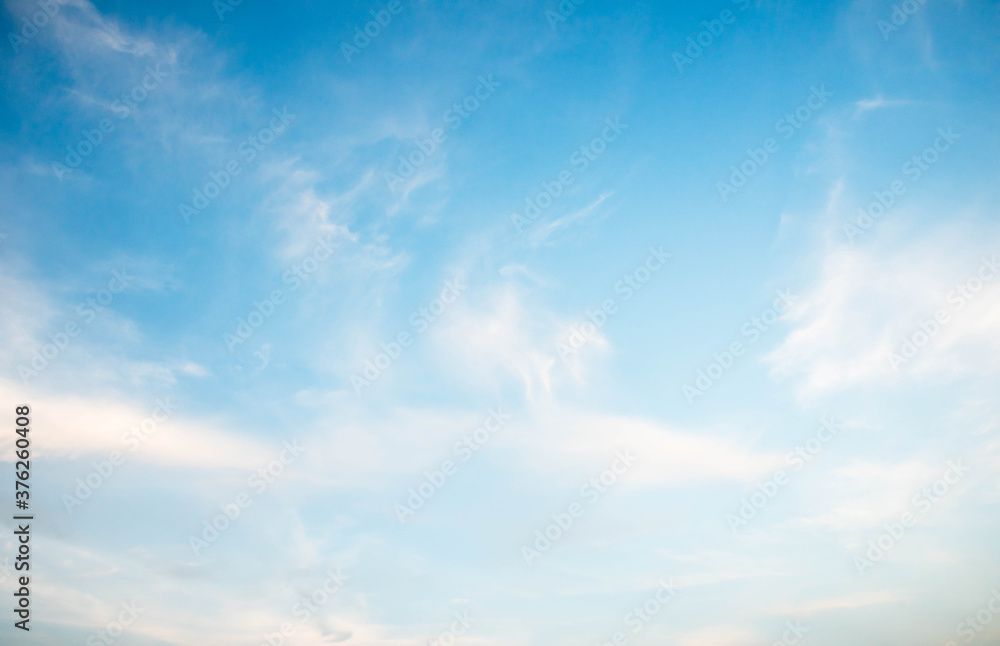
[(707, 292)]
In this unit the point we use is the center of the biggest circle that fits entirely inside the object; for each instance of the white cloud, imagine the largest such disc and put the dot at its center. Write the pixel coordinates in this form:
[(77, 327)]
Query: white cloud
[(16, 330), (877, 103), (352, 449), (91, 31), (864, 494), (860, 599), (558, 440), (498, 336), (303, 215), (541, 233), (869, 298), (90, 426)]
